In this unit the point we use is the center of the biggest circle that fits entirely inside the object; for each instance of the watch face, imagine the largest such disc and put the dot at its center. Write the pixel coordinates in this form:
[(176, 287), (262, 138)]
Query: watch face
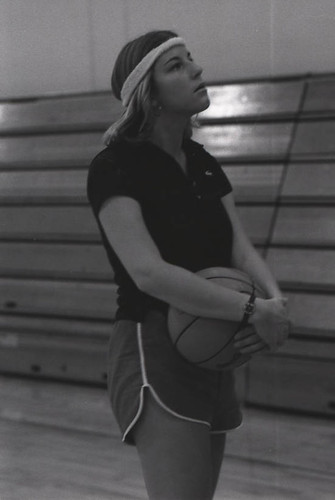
[(249, 308)]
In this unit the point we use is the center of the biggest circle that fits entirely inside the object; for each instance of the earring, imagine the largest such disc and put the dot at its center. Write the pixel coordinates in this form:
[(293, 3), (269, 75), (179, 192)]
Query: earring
[(157, 109)]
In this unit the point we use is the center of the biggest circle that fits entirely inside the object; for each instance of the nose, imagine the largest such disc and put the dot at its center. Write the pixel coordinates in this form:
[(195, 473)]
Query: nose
[(196, 70)]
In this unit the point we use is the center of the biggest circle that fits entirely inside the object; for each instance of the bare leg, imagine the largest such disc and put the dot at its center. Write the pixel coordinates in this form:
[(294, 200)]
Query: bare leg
[(218, 442), (175, 454)]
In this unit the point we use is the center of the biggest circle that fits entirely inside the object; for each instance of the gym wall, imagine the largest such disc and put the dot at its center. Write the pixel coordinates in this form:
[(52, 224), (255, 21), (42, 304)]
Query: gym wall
[(53, 46)]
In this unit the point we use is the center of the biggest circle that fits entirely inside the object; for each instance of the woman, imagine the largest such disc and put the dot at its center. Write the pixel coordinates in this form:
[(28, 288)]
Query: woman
[(165, 210)]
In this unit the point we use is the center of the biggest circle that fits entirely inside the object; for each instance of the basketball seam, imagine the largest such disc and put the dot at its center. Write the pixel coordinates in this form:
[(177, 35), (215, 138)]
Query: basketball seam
[(198, 317), (240, 280), (186, 327), (217, 352)]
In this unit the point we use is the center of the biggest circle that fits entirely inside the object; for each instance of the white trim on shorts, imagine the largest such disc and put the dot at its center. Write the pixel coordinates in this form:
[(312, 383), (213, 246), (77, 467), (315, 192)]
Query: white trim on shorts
[(146, 384)]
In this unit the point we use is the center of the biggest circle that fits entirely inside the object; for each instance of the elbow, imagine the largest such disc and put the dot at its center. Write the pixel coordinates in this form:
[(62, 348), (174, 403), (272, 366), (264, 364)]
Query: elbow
[(145, 277)]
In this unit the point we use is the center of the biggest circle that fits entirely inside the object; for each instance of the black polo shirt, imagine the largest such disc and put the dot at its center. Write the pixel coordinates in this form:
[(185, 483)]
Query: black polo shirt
[(183, 213)]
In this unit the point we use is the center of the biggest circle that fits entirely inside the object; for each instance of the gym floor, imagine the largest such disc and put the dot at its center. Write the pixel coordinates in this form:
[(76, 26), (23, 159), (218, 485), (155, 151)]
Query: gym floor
[(60, 442)]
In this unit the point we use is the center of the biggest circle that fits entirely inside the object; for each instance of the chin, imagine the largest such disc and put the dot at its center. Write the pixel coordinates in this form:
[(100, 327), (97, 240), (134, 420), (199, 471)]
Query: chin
[(206, 104), (195, 106), (203, 104)]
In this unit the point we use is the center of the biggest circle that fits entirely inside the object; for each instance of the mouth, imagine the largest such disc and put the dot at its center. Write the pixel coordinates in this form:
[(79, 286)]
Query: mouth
[(201, 86)]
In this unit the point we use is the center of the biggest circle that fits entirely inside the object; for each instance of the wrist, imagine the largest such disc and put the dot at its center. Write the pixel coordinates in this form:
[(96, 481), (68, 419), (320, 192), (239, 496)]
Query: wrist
[(248, 310), (259, 310)]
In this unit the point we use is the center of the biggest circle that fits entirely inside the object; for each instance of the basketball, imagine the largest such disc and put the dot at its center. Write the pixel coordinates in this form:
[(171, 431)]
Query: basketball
[(207, 342)]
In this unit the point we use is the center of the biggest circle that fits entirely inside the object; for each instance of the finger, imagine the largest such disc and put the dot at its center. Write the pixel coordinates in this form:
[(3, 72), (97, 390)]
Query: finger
[(246, 340), (246, 332), (249, 341), (260, 349), (253, 349)]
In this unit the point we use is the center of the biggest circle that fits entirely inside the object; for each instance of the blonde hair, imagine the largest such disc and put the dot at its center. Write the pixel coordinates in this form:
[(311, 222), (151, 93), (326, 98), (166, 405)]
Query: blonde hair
[(136, 122)]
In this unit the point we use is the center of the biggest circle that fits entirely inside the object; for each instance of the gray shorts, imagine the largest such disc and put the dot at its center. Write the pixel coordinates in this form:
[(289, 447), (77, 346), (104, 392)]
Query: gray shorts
[(141, 356)]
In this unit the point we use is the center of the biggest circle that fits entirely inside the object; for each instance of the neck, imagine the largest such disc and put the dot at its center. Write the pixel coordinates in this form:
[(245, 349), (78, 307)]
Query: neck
[(168, 134)]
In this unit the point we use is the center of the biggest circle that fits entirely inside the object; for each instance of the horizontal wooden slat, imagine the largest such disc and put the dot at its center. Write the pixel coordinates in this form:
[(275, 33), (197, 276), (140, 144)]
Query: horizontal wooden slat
[(320, 95), (48, 186), (258, 183), (314, 183), (45, 260), (314, 139), (52, 150), (48, 223), (57, 298), (304, 269), (11, 325), (312, 314), (59, 113), (305, 226), (257, 222), (54, 347), (69, 358), (251, 141), (249, 99), (308, 348), (292, 383)]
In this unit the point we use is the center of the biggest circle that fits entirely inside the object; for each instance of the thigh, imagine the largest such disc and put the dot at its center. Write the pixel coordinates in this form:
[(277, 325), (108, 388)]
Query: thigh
[(218, 442), (175, 454)]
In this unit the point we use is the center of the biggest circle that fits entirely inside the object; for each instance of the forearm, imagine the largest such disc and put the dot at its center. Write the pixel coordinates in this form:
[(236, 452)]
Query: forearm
[(192, 294), (250, 261)]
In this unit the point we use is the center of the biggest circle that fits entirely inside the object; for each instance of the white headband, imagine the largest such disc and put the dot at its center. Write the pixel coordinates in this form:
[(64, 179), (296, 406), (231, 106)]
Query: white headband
[(139, 72)]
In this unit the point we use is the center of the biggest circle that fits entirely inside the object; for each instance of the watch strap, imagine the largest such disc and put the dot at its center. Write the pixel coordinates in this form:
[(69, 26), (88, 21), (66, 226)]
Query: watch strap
[(249, 309)]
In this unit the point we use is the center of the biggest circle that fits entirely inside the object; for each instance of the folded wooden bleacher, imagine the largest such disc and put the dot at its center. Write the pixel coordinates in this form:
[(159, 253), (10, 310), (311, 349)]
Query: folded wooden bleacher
[(275, 140)]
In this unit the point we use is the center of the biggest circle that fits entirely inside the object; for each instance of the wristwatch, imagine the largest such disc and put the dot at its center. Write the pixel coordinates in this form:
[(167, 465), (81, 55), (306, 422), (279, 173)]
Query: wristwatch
[(249, 309)]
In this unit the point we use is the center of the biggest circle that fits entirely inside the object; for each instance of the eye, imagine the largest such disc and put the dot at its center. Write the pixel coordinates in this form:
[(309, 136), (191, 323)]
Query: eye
[(176, 66)]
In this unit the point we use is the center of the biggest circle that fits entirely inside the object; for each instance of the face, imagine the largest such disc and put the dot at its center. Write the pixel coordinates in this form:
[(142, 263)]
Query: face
[(178, 86)]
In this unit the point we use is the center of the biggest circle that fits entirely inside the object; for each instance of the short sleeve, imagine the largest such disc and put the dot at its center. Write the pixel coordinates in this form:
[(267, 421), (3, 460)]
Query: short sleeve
[(107, 177)]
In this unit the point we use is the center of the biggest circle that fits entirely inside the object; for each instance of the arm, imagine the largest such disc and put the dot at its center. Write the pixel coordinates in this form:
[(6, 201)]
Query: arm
[(123, 223), (270, 318)]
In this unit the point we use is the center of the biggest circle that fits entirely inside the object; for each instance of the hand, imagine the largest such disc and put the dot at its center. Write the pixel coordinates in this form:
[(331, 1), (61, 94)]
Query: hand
[(271, 322), (247, 341)]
